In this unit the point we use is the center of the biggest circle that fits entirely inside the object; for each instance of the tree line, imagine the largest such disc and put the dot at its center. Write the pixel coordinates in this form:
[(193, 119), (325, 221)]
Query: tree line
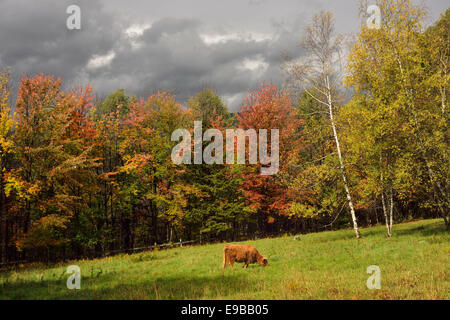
[(362, 141)]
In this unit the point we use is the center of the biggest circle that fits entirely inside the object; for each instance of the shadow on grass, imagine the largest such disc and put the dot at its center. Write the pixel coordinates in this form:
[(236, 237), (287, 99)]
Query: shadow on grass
[(432, 229), (108, 286), (415, 228)]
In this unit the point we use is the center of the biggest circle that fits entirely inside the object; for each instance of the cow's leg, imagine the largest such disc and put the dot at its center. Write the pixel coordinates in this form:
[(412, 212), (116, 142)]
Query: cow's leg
[(231, 263), (245, 265)]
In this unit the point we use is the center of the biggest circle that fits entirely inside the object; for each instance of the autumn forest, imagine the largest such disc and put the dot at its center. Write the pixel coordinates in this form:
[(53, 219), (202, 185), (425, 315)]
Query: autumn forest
[(363, 140)]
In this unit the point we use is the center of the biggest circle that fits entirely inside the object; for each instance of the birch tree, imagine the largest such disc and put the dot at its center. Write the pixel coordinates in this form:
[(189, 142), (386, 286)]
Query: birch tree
[(389, 70), (317, 74)]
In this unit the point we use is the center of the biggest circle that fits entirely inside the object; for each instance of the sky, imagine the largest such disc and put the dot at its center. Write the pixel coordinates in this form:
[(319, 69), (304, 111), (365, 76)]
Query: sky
[(144, 46)]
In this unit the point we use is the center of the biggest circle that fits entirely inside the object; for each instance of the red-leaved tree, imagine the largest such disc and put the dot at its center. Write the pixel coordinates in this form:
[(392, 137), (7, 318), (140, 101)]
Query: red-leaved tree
[(269, 108)]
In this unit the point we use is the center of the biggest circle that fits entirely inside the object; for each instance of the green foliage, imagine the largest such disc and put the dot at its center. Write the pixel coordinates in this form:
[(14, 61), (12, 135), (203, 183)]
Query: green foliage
[(396, 123), (218, 208), (207, 106), (116, 102)]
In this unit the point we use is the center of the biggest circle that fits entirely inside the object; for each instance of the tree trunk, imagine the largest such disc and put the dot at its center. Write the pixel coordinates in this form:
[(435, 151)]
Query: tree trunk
[(341, 162), (383, 201), (5, 242), (391, 208)]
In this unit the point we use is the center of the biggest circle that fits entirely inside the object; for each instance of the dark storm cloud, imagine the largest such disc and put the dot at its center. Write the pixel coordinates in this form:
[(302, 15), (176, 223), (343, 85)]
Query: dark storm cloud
[(34, 37), (171, 54), (186, 45)]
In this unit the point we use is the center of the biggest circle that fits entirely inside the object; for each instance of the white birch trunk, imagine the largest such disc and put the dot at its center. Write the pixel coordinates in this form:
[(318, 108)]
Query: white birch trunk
[(383, 201), (391, 209), (341, 162)]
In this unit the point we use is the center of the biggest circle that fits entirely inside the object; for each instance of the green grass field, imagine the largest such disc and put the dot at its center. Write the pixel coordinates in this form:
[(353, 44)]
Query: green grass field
[(414, 264)]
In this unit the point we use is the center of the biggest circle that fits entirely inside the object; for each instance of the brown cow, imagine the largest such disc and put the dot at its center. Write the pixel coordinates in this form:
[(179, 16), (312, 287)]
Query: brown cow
[(242, 253)]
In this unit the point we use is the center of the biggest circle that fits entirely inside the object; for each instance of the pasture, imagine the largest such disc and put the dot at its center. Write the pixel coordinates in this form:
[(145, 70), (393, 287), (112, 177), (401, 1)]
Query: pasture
[(414, 264)]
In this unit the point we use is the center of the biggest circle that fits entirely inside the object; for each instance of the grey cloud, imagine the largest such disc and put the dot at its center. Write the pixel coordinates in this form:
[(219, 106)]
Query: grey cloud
[(34, 37), (171, 54)]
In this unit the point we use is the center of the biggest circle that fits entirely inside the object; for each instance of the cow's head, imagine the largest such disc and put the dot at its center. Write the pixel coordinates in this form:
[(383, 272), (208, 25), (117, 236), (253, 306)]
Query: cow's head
[(263, 262)]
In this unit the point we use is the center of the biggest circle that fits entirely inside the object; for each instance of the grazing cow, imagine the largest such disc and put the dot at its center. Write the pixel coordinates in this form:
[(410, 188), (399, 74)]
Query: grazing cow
[(242, 253)]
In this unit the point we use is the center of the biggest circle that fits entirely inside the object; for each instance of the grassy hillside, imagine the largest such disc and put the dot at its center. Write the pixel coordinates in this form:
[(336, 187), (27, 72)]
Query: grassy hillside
[(330, 265)]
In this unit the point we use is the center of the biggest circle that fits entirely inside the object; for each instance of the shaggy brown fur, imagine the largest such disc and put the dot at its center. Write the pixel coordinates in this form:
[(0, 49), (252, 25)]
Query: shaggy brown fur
[(242, 253)]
